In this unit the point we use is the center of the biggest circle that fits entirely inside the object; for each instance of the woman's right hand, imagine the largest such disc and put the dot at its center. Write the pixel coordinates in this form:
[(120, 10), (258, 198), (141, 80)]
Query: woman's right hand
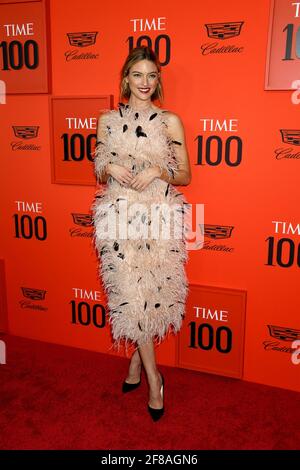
[(119, 173)]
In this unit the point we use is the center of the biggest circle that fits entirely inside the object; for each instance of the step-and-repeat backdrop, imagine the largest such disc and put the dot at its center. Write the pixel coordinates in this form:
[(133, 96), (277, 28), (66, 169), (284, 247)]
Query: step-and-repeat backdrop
[(231, 71)]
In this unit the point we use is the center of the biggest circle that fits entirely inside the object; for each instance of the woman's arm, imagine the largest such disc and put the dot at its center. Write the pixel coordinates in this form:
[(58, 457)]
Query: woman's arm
[(183, 175)]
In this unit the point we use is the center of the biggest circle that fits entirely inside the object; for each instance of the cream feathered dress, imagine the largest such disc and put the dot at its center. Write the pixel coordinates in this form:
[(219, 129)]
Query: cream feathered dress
[(143, 276)]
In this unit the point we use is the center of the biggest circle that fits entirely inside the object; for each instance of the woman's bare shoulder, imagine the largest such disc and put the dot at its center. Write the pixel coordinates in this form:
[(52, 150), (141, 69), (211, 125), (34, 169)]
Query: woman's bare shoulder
[(105, 116), (173, 119), (105, 113)]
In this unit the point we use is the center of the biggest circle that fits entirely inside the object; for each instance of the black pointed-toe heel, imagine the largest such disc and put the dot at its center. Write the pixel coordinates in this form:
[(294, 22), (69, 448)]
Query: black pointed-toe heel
[(126, 387), (156, 413)]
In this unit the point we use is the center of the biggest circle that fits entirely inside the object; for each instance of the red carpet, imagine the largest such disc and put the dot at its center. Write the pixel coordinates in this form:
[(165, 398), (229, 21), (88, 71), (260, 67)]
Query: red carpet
[(55, 397)]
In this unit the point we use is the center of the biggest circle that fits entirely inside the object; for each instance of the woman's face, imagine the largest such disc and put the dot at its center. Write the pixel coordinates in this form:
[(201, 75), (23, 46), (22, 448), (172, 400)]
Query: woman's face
[(143, 79)]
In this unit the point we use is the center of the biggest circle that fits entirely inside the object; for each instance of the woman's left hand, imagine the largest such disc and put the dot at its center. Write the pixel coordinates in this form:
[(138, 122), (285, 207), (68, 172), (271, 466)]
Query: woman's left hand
[(144, 178)]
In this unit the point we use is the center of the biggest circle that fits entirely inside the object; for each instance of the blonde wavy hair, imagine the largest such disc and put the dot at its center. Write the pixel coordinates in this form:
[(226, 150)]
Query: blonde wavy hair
[(135, 55)]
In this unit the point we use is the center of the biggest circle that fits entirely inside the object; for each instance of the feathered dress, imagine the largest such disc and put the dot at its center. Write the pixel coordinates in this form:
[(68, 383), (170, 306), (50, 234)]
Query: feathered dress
[(142, 274)]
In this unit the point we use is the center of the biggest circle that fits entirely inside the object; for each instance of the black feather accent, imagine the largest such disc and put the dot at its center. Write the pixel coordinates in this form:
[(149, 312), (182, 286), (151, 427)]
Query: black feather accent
[(102, 215), (152, 116), (157, 305), (140, 326), (99, 142), (177, 142), (145, 306), (125, 127), (167, 190), (139, 132), (148, 246), (124, 303), (121, 255), (139, 279), (111, 267), (136, 115), (180, 210), (171, 305), (116, 246), (109, 129)]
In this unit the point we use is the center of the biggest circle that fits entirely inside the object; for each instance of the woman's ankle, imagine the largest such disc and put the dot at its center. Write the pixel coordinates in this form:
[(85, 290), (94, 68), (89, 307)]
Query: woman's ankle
[(136, 360), (154, 377)]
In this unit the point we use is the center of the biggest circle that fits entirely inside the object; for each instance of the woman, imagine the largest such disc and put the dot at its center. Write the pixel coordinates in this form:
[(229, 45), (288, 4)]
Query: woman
[(141, 153)]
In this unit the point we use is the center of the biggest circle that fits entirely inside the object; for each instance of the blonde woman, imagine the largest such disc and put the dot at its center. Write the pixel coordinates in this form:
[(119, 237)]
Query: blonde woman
[(141, 154)]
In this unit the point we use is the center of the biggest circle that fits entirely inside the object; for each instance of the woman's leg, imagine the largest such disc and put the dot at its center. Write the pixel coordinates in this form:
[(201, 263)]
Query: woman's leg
[(135, 366), (147, 354)]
